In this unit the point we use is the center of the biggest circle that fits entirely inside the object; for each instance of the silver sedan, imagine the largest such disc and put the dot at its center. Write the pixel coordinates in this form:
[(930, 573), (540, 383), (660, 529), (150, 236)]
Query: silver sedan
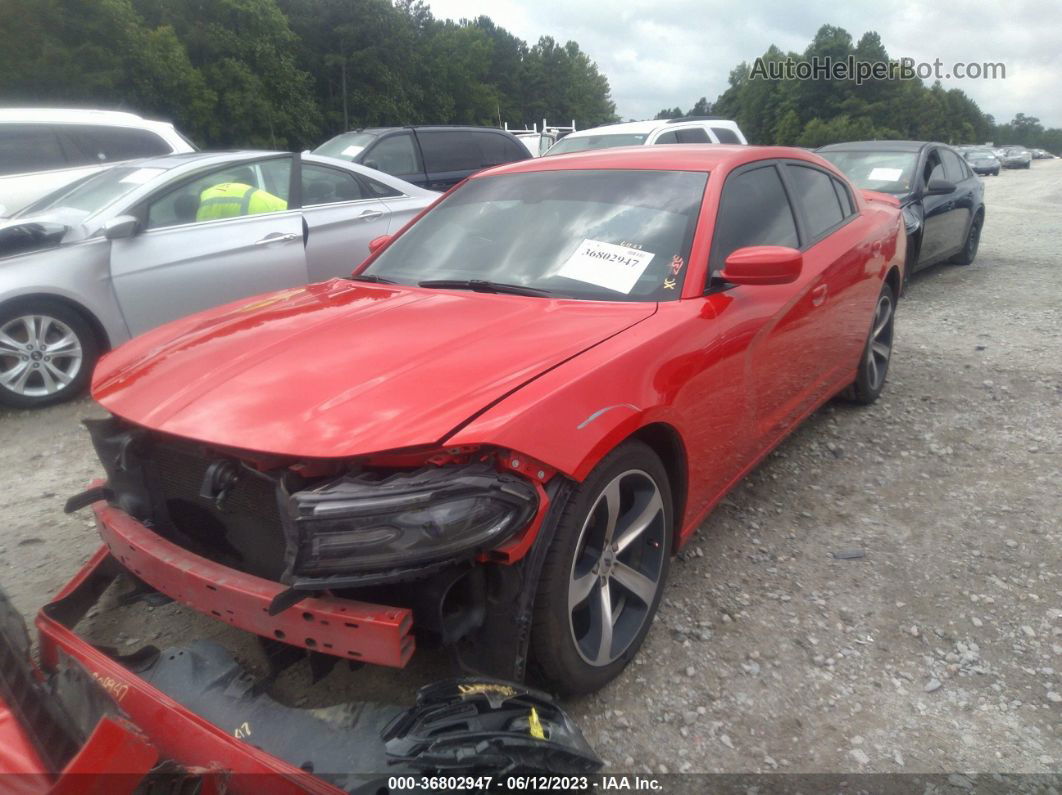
[(102, 260)]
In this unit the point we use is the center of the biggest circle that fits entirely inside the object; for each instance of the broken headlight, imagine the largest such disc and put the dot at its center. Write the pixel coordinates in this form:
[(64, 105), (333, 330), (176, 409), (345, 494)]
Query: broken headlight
[(360, 523)]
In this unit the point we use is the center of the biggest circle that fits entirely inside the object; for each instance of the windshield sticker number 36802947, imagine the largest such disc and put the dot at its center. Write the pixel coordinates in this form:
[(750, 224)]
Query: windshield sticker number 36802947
[(607, 265)]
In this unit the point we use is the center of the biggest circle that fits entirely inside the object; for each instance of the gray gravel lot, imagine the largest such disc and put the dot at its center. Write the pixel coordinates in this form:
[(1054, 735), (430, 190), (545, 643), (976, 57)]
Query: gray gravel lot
[(938, 650)]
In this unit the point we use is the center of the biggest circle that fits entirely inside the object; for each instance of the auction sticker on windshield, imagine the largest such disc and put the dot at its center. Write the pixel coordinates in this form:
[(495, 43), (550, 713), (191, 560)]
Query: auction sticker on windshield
[(885, 174), (606, 265)]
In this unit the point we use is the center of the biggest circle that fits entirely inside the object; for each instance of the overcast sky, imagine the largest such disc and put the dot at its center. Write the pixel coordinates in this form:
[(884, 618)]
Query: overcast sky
[(663, 53)]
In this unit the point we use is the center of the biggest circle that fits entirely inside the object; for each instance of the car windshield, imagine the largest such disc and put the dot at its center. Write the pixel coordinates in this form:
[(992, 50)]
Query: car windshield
[(888, 172), (589, 234), (580, 143), (346, 146), (92, 194), (978, 154)]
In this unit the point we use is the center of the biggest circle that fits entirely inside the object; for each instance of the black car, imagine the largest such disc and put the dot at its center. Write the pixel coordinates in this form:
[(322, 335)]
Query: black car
[(982, 161), (429, 156), (942, 200)]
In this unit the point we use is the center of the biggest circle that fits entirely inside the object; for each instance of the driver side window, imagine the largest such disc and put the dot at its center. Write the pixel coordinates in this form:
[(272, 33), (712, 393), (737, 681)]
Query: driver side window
[(754, 211), (231, 191), (934, 169)]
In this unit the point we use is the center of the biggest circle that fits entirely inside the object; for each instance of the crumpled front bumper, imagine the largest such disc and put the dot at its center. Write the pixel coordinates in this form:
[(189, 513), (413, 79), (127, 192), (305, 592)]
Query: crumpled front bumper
[(356, 631), (191, 719)]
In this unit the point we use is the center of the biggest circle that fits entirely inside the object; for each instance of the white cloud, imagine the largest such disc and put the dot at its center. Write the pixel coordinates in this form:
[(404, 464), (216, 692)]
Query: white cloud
[(662, 53)]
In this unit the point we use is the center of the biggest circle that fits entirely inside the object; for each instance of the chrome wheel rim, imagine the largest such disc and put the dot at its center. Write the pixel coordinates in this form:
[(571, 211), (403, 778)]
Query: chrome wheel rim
[(880, 348), (617, 568), (39, 355)]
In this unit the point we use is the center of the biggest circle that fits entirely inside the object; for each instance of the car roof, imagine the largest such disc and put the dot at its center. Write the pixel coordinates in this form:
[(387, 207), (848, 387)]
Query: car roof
[(114, 118), (651, 125), (878, 146), (688, 157), (169, 162), (418, 127)]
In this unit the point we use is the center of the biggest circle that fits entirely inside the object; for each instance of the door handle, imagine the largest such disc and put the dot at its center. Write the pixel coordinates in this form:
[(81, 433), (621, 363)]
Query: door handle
[(276, 237), (366, 215), (818, 295)]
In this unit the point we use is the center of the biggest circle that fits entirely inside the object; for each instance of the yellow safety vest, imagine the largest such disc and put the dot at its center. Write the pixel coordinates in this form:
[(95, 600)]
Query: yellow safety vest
[(233, 199)]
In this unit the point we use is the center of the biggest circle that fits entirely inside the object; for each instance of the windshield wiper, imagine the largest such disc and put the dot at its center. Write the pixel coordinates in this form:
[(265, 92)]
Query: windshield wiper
[(372, 277), (483, 286)]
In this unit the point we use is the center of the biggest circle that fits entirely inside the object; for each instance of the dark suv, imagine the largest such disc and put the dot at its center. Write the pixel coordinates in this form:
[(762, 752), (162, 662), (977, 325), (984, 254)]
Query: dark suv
[(432, 157)]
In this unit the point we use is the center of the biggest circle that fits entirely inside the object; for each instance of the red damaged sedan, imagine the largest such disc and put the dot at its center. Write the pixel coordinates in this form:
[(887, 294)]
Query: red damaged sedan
[(496, 433)]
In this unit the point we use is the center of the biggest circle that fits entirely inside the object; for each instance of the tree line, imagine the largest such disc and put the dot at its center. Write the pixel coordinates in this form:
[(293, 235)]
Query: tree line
[(290, 73), (812, 113)]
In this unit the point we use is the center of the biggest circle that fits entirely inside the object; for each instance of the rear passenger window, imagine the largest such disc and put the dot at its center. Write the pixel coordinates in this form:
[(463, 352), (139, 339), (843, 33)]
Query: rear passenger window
[(25, 148), (843, 196), (668, 138), (321, 185), (377, 188), (726, 136), (693, 135), (953, 166), (450, 151), (395, 154), (754, 211), (814, 192), (496, 149), (97, 144)]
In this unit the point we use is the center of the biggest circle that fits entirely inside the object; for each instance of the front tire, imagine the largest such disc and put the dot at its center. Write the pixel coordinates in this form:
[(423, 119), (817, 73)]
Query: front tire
[(604, 574), (47, 352), (877, 353)]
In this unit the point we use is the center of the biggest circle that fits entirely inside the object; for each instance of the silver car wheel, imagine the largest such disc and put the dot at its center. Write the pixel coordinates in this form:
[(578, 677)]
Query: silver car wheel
[(880, 348), (617, 568), (39, 355)]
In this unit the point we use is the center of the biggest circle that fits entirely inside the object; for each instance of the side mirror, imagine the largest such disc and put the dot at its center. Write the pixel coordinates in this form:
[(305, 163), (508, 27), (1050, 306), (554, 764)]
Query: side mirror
[(378, 242), (763, 265), (120, 226), (939, 187), (371, 164)]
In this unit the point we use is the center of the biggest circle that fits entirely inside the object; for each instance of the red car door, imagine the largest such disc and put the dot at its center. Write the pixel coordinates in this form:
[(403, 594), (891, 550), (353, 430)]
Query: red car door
[(785, 330), (835, 253)]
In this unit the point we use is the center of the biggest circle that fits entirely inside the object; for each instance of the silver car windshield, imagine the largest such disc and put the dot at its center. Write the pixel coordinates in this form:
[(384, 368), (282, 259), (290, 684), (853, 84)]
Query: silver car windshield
[(888, 172), (91, 195), (583, 142), (605, 235)]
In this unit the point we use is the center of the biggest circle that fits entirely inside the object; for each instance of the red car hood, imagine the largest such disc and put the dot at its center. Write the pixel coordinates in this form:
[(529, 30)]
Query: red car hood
[(342, 369)]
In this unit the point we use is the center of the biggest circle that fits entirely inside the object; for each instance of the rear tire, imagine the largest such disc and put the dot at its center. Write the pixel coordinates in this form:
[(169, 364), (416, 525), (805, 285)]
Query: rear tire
[(877, 353), (973, 240), (47, 352), (608, 563)]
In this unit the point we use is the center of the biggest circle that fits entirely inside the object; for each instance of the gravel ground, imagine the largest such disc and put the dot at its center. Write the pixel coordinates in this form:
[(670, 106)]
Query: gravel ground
[(938, 650)]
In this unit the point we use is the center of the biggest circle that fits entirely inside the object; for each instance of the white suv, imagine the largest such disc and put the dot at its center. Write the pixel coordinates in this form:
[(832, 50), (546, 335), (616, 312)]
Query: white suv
[(686, 130), (43, 149)]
